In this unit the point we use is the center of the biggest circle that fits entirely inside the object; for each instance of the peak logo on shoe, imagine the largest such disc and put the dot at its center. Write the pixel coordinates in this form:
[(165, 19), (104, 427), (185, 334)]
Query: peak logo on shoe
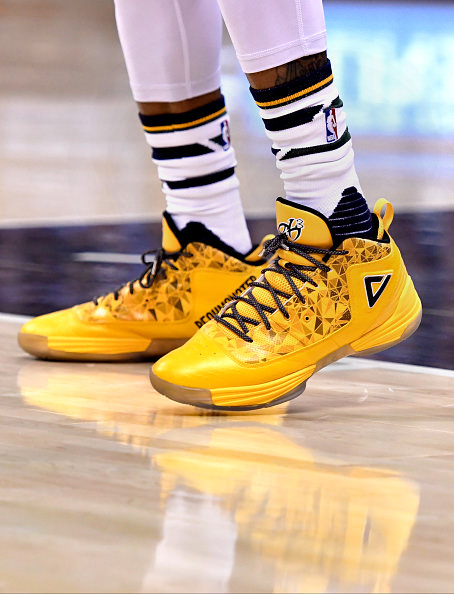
[(375, 285), (292, 228)]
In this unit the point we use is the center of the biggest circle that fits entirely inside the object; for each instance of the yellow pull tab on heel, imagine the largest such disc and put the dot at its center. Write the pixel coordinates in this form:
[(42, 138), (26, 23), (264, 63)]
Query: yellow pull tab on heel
[(384, 221)]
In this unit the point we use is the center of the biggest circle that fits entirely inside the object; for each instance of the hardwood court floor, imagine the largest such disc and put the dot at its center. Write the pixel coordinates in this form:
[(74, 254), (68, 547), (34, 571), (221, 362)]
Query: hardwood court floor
[(106, 486)]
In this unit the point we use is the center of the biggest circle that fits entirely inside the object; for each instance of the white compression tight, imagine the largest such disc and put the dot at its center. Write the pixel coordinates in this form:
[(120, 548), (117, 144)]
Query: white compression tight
[(172, 47)]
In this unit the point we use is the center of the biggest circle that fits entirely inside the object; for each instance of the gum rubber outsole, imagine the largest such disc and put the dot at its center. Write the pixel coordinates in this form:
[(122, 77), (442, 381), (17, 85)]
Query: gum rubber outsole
[(202, 397), (38, 346)]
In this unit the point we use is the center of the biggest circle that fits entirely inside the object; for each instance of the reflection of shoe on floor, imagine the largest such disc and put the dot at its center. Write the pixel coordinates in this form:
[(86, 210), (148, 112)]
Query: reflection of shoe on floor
[(190, 280), (116, 399), (333, 526), (318, 301)]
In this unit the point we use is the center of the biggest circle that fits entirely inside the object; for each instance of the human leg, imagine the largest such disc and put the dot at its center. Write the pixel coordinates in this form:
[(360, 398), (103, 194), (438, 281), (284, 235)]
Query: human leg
[(171, 49), (292, 84)]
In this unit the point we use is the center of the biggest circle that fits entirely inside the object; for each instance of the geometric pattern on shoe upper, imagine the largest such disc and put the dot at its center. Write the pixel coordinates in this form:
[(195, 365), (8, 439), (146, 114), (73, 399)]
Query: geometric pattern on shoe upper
[(169, 296), (325, 309)]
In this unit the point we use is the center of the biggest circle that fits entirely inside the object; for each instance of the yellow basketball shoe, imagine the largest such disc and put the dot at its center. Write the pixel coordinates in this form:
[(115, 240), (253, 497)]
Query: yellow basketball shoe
[(317, 302), (187, 283)]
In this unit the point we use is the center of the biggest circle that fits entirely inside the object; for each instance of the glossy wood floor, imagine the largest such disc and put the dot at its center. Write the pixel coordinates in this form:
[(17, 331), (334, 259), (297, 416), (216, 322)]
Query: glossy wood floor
[(106, 486)]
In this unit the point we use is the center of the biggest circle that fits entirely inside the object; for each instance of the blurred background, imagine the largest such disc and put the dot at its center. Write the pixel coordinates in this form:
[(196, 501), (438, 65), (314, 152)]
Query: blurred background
[(79, 197)]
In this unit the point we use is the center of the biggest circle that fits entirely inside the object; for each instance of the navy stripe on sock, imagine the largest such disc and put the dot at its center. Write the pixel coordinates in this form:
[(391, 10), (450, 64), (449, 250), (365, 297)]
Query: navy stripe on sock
[(203, 180), (356, 225), (219, 140), (170, 119), (180, 152), (337, 102), (297, 118), (343, 215), (346, 212), (291, 120), (288, 89), (311, 150), (186, 150)]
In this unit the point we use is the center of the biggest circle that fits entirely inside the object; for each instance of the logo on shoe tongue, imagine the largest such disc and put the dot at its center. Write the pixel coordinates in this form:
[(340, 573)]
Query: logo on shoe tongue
[(292, 228)]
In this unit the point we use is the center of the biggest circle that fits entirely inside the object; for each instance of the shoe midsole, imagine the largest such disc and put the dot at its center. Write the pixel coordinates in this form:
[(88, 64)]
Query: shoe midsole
[(96, 349), (400, 325)]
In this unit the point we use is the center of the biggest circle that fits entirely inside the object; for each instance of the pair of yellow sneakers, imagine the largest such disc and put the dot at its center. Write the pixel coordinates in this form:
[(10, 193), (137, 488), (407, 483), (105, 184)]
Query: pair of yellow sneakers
[(244, 332)]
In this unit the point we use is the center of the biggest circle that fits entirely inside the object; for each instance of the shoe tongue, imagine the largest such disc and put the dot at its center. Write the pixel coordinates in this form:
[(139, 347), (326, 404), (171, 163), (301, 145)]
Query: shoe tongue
[(170, 241), (302, 225)]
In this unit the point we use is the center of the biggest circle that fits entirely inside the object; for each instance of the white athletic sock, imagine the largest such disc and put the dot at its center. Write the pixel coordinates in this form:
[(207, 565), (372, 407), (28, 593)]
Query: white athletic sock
[(313, 148), (196, 164)]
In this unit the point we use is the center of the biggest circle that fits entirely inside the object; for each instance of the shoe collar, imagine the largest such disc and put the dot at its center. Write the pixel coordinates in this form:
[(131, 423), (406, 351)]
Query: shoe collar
[(306, 226), (174, 239), (302, 225)]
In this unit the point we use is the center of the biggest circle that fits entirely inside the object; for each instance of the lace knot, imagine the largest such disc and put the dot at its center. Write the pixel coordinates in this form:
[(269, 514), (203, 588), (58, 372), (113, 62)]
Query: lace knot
[(271, 246)]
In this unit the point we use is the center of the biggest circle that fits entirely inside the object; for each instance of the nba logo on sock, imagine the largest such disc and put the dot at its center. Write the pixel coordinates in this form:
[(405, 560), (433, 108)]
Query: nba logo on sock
[(225, 133), (331, 125)]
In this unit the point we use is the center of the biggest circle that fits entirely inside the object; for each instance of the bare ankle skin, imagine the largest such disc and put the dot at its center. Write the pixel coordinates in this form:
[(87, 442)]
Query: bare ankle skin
[(157, 108)]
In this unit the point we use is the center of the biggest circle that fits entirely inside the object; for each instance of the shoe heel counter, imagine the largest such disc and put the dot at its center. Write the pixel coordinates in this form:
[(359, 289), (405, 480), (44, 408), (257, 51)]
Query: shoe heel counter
[(373, 284), (375, 288), (399, 313), (399, 326)]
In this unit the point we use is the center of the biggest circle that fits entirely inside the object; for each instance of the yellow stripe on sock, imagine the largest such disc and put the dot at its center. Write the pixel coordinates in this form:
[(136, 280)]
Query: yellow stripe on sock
[(172, 127), (296, 95)]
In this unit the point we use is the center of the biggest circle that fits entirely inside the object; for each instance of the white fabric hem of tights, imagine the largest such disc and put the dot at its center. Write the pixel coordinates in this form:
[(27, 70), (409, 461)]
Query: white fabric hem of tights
[(172, 92), (275, 56)]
